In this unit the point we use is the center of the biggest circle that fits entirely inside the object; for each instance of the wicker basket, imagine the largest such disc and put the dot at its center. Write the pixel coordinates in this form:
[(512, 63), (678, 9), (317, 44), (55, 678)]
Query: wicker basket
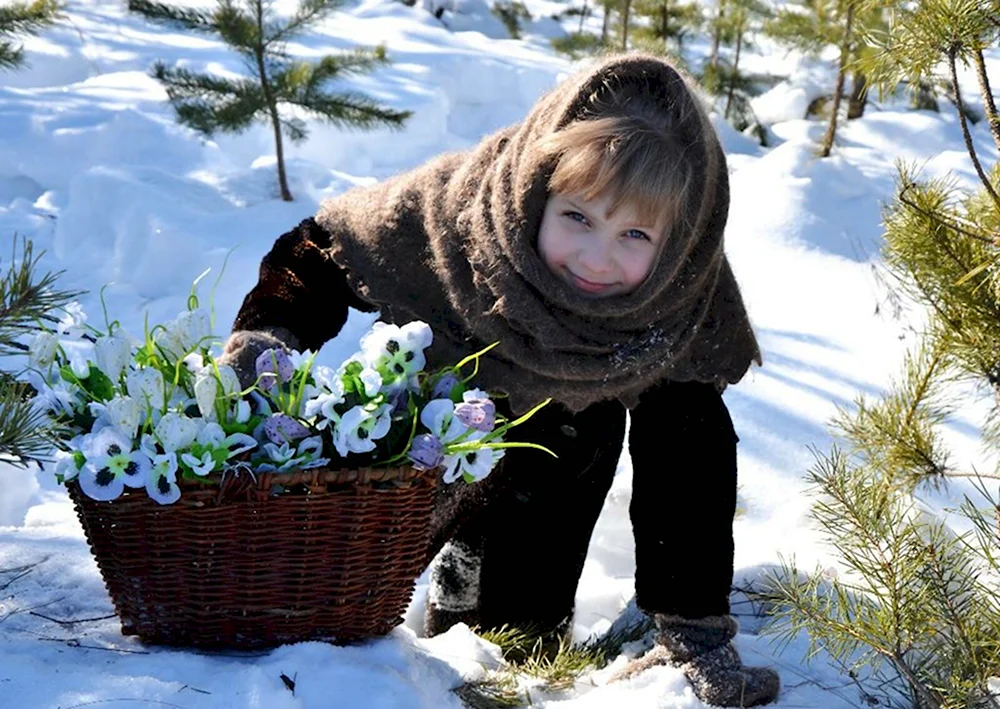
[(233, 566)]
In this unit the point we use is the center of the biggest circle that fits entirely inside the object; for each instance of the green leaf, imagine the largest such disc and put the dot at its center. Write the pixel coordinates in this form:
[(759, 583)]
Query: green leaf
[(99, 385)]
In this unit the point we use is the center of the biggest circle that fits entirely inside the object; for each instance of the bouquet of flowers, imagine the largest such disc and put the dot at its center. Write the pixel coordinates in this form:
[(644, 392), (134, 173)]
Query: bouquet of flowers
[(152, 412)]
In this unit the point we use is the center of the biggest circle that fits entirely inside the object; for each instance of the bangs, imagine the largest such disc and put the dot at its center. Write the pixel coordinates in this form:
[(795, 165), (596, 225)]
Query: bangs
[(624, 158)]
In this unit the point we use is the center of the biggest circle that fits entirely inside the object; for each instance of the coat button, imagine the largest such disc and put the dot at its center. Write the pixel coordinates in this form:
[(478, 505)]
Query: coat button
[(568, 430)]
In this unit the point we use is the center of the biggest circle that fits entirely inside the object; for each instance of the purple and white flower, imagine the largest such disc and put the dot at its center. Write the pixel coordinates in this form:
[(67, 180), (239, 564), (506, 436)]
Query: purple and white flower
[(426, 452), (274, 367), (477, 411)]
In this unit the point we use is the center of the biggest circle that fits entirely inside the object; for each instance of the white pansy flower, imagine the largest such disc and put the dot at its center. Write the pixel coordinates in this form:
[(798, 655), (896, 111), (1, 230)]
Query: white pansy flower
[(310, 451), (72, 322), (112, 354), (60, 398), (111, 465), (125, 414), (439, 418), (279, 457), (42, 350), (327, 378), (146, 385), (475, 464), (397, 352), (200, 465), (371, 380), (213, 436), (66, 465), (359, 428), (161, 483), (176, 431)]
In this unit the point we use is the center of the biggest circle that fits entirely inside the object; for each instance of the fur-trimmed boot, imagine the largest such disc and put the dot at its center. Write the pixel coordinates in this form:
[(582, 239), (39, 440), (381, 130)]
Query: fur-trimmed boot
[(453, 596), (703, 650)]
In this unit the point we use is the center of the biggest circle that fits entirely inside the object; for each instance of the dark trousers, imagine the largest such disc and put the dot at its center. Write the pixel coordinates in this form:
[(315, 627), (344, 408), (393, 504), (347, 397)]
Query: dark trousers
[(534, 533)]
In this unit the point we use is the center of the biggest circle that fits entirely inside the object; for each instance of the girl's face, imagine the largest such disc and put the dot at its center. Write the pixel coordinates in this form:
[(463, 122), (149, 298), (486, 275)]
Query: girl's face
[(598, 254)]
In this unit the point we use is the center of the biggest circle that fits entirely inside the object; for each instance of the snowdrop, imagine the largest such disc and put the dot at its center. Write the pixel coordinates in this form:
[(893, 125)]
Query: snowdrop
[(42, 350), (176, 431), (206, 388), (187, 332), (111, 465), (112, 354), (146, 385), (124, 414), (360, 427)]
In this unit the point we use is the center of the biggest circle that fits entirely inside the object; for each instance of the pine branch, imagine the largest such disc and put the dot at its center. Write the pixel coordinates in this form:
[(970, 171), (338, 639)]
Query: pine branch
[(11, 57), (240, 30), (987, 184), (992, 119), (26, 433), (309, 12), (210, 103), (173, 16), (26, 299), (28, 18)]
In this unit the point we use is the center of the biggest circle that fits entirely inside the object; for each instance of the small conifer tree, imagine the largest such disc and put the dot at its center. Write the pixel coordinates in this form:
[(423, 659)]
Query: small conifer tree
[(817, 24), (919, 602), (661, 22), (210, 103), (20, 18), (26, 300)]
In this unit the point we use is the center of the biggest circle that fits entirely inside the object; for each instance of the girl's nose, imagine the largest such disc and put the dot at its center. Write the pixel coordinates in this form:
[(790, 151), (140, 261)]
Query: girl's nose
[(594, 257)]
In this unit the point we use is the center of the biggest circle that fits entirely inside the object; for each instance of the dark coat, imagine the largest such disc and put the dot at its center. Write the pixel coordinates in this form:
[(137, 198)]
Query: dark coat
[(534, 517)]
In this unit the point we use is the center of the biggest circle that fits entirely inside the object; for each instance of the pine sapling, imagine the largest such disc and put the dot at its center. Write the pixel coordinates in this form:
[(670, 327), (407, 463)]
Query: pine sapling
[(21, 18), (277, 82)]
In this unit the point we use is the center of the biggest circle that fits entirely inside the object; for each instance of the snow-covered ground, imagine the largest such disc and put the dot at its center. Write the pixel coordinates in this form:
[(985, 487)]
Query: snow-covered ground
[(95, 170)]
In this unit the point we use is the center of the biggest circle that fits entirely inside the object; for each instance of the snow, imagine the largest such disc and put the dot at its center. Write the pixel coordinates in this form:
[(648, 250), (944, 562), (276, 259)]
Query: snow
[(95, 170)]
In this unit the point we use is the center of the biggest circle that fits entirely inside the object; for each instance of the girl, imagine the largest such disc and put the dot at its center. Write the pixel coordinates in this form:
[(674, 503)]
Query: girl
[(587, 240)]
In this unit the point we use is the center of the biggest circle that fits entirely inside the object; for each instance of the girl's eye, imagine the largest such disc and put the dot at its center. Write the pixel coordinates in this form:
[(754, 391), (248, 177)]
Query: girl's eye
[(637, 235), (576, 217)]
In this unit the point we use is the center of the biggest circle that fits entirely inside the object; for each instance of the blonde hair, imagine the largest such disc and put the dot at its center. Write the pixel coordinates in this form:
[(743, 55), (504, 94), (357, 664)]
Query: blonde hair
[(640, 154)]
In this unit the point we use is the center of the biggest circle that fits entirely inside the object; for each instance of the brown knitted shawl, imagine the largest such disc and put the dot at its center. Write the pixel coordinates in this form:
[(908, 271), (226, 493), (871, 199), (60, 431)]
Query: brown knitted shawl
[(452, 243)]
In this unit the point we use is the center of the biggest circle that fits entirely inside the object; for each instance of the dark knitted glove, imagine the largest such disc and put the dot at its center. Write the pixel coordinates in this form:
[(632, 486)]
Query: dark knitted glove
[(701, 648), (244, 346)]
